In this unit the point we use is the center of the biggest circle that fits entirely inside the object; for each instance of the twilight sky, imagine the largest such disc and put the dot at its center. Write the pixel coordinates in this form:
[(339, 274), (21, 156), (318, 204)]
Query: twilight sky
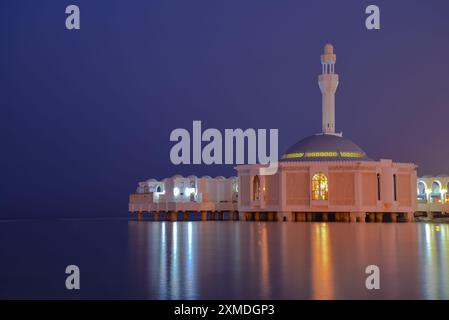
[(86, 114)]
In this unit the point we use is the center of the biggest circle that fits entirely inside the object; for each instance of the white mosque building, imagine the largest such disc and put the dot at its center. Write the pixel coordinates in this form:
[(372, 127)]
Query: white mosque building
[(323, 177), (211, 198)]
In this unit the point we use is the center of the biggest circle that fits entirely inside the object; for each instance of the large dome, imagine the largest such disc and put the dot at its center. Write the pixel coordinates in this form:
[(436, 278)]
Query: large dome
[(325, 147)]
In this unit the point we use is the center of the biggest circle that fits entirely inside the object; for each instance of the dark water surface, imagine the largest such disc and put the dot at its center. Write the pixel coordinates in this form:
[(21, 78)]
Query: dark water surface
[(121, 259)]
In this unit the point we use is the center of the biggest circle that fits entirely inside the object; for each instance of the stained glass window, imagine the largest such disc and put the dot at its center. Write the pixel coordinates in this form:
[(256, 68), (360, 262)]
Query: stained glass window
[(320, 187)]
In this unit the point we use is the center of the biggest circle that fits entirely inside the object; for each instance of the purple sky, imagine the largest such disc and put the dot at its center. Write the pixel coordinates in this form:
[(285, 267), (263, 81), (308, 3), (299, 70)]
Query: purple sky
[(86, 114)]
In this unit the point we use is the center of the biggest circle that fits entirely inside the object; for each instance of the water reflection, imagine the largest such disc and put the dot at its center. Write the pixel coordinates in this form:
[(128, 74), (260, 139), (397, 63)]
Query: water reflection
[(433, 246), (322, 273), (246, 260), (265, 267)]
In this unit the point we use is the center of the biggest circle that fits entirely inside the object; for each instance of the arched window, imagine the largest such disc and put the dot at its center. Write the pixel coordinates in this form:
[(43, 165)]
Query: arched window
[(320, 188), (235, 186), (435, 188), (256, 188), (422, 190), (436, 192)]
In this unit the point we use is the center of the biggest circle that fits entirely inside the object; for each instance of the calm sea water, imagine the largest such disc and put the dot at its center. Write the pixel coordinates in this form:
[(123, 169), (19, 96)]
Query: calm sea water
[(121, 259)]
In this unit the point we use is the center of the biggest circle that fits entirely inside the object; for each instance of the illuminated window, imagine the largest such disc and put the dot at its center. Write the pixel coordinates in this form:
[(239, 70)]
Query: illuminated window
[(235, 186), (321, 154), (319, 187), (294, 155), (435, 196)]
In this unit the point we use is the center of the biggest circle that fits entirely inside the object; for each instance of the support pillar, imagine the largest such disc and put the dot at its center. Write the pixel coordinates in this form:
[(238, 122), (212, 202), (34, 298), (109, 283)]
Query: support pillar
[(309, 216), (410, 217), (341, 216), (394, 217), (379, 217), (347, 217), (359, 216), (337, 217), (173, 215), (284, 216)]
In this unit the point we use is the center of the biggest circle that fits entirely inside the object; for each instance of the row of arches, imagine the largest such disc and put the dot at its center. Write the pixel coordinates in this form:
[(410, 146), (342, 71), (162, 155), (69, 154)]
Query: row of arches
[(434, 192)]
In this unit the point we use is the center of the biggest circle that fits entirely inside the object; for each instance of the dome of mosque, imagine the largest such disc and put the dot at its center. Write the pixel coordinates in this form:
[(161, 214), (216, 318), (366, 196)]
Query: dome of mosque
[(325, 147)]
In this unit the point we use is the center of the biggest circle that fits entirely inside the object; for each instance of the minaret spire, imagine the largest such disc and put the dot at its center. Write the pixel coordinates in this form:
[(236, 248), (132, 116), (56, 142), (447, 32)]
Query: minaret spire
[(328, 82)]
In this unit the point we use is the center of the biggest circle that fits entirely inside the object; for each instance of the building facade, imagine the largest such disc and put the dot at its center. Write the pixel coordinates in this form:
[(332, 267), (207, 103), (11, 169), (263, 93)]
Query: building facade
[(326, 177), (323, 177), (185, 195)]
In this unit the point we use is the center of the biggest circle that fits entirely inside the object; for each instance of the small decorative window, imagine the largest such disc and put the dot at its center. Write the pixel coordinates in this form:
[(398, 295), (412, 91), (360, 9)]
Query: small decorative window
[(395, 188), (378, 186)]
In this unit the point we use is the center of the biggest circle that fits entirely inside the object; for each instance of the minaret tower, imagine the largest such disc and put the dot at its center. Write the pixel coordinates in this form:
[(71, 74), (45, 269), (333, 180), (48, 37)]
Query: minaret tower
[(328, 82)]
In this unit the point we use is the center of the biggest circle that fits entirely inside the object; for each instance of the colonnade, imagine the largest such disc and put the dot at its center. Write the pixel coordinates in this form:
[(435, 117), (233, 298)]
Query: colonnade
[(275, 216)]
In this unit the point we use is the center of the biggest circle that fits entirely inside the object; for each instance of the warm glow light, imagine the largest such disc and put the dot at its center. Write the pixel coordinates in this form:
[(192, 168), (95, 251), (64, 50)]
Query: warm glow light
[(352, 154), (324, 154), (319, 187), (321, 154), (294, 155)]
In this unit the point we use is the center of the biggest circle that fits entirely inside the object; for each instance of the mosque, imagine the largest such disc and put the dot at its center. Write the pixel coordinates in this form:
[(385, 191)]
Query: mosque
[(323, 177)]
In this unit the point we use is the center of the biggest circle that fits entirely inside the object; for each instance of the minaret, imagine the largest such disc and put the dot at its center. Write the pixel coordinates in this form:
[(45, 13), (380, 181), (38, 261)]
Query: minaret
[(328, 82)]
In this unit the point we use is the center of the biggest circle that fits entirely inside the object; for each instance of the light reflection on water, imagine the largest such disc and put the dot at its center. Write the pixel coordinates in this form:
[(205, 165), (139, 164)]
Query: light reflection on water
[(266, 260), (434, 267), (321, 262)]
